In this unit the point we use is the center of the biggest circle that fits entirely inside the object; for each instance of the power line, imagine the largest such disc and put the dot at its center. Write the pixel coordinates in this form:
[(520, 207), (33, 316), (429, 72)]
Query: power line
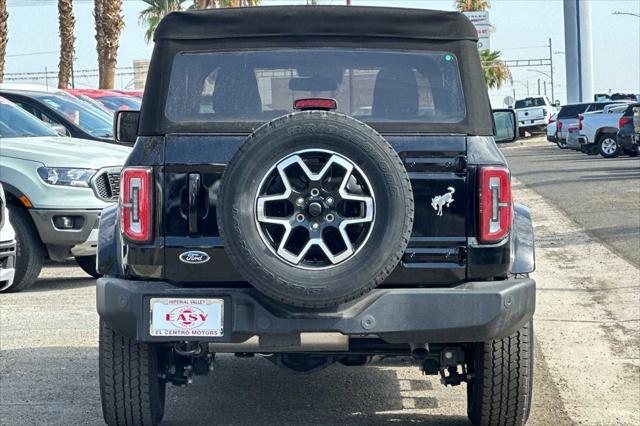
[(32, 54)]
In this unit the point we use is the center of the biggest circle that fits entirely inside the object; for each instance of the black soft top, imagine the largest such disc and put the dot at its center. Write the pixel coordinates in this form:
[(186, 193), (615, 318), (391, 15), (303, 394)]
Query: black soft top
[(292, 27), (270, 21)]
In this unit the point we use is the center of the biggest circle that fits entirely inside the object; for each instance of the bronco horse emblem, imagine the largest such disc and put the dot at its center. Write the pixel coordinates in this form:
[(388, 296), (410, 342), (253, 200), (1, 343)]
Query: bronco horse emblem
[(440, 201)]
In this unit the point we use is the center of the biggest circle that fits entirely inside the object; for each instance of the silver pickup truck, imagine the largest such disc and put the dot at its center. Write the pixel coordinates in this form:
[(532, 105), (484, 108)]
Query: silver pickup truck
[(598, 131), (55, 189)]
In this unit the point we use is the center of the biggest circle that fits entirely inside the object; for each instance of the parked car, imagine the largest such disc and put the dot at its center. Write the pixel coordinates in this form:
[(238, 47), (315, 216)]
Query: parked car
[(573, 138), (552, 129), (568, 116), (633, 97), (598, 131), (67, 114), (258, 216), (628, 133), (533, 113), (135, 93), (636, 125), (56, 188), (7, 245), (111, 100)]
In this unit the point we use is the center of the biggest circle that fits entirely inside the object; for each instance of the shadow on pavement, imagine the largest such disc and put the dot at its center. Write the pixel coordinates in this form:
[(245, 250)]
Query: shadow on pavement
[(61, 283), (60, 386)]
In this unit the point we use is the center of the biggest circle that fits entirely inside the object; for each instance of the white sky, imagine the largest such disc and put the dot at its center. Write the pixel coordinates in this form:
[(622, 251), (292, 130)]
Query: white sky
[(523, 28)]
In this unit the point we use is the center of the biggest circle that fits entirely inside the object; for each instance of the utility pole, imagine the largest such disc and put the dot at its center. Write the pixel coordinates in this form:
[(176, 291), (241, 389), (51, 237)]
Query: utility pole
[(348, 2), (553, 97), (165, 5), (538, 87)]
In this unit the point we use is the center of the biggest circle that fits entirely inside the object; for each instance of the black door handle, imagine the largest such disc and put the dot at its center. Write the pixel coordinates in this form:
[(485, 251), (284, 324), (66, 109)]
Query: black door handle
[(194, 189)]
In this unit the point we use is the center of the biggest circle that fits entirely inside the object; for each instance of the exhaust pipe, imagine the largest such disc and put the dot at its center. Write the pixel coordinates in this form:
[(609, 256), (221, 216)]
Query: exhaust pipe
[(419, 350), (307, 342)]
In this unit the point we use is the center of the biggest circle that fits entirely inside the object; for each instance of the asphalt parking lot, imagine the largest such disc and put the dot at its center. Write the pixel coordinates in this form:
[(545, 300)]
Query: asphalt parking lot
[(601, 195), (588, 309)]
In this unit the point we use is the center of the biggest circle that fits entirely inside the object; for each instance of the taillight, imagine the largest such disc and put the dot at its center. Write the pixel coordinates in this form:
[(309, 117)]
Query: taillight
[(552, 119), (136, 203), (580, 118), (495, 204), (623, 121), (544, 112), (559, 125)]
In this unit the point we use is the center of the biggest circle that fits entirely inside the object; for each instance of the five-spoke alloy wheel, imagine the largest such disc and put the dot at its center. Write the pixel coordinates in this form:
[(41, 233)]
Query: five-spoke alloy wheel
[(315, 208)]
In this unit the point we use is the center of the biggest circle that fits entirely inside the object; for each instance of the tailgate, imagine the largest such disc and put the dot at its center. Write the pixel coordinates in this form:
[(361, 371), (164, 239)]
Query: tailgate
[(194, 165), (530, 114)]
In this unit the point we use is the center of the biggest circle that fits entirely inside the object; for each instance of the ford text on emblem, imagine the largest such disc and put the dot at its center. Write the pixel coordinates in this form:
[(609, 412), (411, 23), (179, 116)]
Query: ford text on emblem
[(194, 257)]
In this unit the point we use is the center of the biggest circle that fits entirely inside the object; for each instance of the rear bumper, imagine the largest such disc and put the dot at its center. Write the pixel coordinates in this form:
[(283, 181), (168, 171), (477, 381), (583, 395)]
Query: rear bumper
[(538, 122), (472, 312)]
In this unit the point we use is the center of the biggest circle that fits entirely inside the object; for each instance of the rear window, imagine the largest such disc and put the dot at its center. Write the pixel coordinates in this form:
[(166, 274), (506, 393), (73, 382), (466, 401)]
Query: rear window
[(529, 102), (372, 85), (572, 111)]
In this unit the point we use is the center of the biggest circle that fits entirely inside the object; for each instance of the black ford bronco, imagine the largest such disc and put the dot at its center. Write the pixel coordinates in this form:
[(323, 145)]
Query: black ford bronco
[(316, 185)]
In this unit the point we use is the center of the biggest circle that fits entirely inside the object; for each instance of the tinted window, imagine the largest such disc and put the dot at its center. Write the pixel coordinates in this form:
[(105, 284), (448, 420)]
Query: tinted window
[(529, 102), (120, 102), (572, 111), (374, 85), (89, 119), (15, 122)]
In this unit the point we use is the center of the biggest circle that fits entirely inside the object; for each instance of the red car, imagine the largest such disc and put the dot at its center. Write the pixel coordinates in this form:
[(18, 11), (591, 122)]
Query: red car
[(132, 93), (111, 100)]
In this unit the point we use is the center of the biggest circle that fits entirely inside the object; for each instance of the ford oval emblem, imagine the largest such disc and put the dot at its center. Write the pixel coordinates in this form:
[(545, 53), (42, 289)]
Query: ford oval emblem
[(194, 257)]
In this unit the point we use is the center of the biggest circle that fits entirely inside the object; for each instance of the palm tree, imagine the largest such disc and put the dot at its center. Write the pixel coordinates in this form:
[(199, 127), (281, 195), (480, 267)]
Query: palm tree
[(4, 17), (154, 12), (472, 5), (109, 24), (66, 23), (496, 72)]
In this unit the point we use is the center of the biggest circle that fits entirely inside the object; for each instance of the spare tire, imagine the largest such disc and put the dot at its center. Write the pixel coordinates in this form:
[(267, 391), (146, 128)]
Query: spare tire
[(315, 209)]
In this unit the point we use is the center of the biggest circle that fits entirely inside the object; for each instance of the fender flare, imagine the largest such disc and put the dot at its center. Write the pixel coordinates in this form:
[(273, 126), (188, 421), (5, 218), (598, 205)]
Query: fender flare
[(109, 253), (523, 258)]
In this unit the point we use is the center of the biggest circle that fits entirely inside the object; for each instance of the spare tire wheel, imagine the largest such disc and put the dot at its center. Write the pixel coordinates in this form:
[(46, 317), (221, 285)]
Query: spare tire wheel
[(315, 209)]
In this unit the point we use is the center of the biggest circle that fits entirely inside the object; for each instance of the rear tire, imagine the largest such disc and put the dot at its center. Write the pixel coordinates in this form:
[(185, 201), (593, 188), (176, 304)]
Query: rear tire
[(131, 391), (608, 146), (501, 390), (29, 251), (88, 265)]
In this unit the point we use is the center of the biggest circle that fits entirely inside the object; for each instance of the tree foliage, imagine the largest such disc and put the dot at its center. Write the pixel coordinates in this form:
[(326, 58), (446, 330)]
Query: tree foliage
[(212, 4), (153, 13), (496, 72), (472, 5)]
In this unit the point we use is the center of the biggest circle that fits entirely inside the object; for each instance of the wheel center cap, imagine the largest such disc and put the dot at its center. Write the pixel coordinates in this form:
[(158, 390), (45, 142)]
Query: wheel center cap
[(315, 209)]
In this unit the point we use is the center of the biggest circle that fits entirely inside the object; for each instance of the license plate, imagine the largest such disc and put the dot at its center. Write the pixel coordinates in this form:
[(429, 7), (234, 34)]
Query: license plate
[(186, 317)]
